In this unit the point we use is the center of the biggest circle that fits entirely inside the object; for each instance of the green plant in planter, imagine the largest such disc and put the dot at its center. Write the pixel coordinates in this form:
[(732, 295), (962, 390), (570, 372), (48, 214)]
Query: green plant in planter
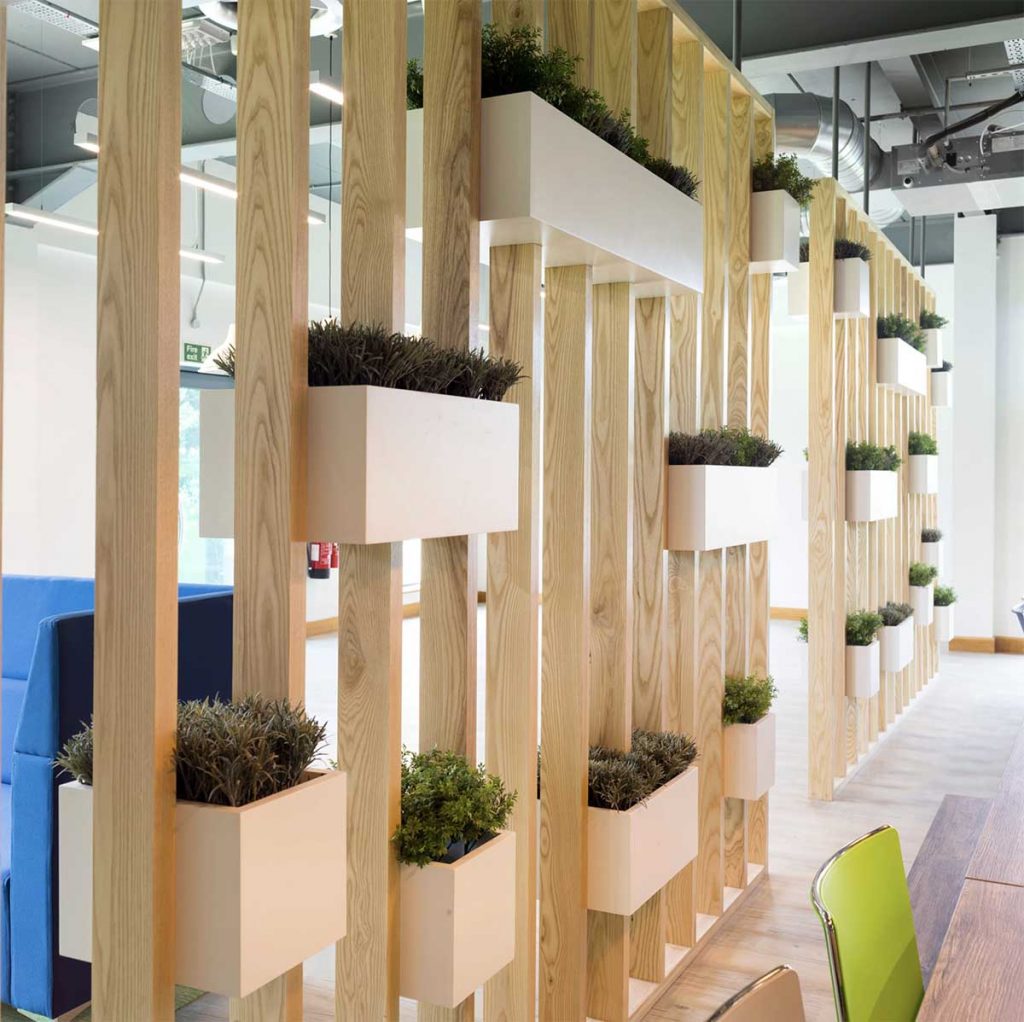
[(448, 807), (227, 754), (944, 368), (871, 458), (862, 627), (845, 248), (922, 574), (620, 780), (893, 614), (805, 250), (921, 443), (770, 174), (726, 446), (898, 325), (801, 632), (944, 596), (932, 320), (931, 535), (747, 700)]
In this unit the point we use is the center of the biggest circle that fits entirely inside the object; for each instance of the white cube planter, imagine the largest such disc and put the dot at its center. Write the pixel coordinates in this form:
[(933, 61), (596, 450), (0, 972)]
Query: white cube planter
[(900, 367), (922, 600), (748, 758), (544, 179), (238, 925), (774, 232), (384, 465), (942, 389), (871, 496), (931, 553), (863, 665), (924, 473), (634, 853), (714, 506), (944, 623), (852, 289), (933, 348), (897, 645), (458, 922)]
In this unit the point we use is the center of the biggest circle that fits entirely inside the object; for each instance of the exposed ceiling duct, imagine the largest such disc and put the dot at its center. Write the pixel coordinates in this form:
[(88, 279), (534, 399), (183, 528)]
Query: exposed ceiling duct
[(325, 17)]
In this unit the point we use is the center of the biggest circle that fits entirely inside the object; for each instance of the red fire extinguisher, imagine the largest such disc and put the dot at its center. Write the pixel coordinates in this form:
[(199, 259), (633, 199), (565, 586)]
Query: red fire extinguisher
[(320, 558)]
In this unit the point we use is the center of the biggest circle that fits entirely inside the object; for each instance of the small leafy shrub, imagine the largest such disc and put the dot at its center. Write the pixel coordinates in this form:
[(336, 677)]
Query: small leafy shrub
[(898, 325), (414, 85), (871, 458), (944, 368), (447, 802), (847, 249), (748, 699), (620, 780), (944, 596), (805, 250), (922, 574), (770, 174), (726, 446), (862, 627), (227, 754), (893, 614), (922, 443), (931, 535), (932, 320), (801, 632), (680, 178)]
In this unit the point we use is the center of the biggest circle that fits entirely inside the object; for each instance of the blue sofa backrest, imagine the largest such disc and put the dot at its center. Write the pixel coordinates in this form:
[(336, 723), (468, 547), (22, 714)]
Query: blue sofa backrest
[(58, 698)]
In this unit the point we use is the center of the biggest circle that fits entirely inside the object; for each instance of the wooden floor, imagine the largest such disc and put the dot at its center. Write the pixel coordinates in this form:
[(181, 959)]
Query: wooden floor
[(954, 738)]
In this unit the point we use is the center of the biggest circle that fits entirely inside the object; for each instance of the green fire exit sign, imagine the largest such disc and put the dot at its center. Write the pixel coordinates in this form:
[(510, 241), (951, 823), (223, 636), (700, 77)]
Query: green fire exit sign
[(195, 352)]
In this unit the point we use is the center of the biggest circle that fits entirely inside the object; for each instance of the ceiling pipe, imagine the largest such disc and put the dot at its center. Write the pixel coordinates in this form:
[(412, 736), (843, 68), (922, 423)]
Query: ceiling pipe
[(866, 169), (737, 34)]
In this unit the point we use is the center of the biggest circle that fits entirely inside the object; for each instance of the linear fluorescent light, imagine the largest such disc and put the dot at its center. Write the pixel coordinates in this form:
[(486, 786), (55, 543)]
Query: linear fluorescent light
[(92, 42), (324, 89), (41, 216), (208, 182), (316, 219), (88, 141), (200, 255)]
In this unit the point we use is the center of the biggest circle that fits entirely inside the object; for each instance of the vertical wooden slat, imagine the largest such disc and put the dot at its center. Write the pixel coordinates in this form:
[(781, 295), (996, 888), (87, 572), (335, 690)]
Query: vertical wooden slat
[(565, 643), (688, 107), (510, 13), (370, 577), (571, 28), (654, 77), (136, 634), (614, 57)]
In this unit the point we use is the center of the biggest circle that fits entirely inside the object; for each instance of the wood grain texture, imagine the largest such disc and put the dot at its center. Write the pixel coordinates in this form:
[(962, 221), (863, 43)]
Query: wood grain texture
[(1000, 853), (613, 71), (571, 28), (513, 593), (738, 359), (565, 643), (370, 577), (844, 740), (734, 842), (511, 13), (654, 78), (136, 633), (688, 107), (608, 942), (647, 929)]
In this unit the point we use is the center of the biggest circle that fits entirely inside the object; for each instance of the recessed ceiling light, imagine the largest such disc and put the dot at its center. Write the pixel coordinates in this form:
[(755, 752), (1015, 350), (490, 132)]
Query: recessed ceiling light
[(200, 255), (88, 141), (325, 89), (208, 183), (30, 214)]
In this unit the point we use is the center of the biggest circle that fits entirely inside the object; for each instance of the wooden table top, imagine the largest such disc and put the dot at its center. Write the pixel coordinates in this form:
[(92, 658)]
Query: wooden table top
[(980, 971), (999, 856)]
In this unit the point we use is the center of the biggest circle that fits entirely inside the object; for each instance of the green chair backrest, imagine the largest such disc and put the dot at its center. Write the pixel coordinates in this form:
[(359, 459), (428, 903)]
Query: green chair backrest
[(861, 896)]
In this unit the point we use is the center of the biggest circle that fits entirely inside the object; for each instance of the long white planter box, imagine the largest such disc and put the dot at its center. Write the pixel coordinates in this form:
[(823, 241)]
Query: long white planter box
[(863, 665), (900, 367), (544, 179), (634, 853), (851, 295), (942, 389), (714, 506), (748, 757), (774, 232), (897, 645), (944, 623), (871, 496), (258, 889), (922, 600), (933, 348), (384, 465), (924, 473), (798, 288), (458, 922), (931, 553)]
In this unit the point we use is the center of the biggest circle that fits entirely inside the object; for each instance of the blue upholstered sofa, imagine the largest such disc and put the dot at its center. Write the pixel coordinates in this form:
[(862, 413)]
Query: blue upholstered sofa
[(47, 693)]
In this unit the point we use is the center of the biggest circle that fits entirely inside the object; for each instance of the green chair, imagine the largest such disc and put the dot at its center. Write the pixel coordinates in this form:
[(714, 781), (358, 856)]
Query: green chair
[(861, 897)]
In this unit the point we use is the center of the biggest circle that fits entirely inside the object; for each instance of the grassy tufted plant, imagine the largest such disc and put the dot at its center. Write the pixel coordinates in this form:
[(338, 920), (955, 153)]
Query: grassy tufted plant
[(770, 174), (898, 325), (932, 320), (921, 443), (620, 780), (747, 700), (726, 446), (893, 614), (922, 574), (847, 249), (862, 627), (871, 458), (944, 368), (931, 535), (445, 801), (944, 596)]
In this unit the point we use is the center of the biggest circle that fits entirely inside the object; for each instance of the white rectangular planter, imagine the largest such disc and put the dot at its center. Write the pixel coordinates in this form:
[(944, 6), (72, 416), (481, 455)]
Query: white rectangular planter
[(458, 922), (634, 853), (863, 665), (852, 298), (748, 758), (384, 465), (258, 889), (933, 348), (900, 367), (931, 553), (924, 473), (544, 179), (798, 287), (714, 506), (774, 232), (871, 496), (922, 600), (944, 623), (942, 389), (897, 645)]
